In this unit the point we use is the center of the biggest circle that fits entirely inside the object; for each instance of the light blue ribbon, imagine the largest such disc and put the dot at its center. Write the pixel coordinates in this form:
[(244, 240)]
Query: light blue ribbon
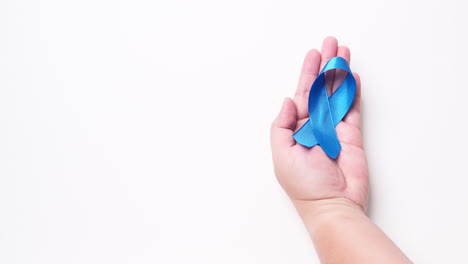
[(326, 112)]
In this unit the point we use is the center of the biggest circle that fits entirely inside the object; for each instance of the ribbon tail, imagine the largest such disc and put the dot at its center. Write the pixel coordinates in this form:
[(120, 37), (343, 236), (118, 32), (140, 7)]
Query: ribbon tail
[(329, 143), (305, 135)]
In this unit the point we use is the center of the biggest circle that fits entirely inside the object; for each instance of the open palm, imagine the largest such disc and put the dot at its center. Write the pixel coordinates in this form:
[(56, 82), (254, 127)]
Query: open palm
[(308, 174)]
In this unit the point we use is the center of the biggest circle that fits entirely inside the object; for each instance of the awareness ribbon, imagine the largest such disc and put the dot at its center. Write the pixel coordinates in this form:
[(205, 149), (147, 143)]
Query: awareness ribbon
[(326, 112)]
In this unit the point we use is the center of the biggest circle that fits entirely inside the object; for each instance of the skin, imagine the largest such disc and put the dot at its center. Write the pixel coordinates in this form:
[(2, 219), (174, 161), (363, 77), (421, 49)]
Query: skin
[(329, 195)]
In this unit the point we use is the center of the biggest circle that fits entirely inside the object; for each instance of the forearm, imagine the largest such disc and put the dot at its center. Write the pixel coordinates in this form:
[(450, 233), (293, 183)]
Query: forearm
[(342, 233)]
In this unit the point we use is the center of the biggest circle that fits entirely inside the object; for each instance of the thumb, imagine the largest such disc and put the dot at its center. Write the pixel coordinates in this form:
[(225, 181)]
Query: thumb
[(282, 128)]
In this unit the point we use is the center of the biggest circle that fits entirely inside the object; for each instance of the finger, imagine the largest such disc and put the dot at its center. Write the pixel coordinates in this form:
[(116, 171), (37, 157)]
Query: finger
[(329, 50), (340, 75), (353, 117), (344, 52), (309, 72), (281, 133)]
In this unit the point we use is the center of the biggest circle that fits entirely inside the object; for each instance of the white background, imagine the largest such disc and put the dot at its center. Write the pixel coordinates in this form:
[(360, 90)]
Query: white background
[(138, 131)]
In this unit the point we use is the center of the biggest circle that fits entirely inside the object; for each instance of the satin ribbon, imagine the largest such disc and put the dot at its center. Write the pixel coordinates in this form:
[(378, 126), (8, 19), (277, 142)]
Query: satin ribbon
[(326, 112)]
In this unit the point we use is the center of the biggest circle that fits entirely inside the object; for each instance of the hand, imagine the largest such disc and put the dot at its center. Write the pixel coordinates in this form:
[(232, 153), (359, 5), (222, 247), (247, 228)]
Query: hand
[(308, 174)]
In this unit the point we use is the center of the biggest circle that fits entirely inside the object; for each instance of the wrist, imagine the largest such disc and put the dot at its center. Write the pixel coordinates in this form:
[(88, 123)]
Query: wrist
[(342, 233), (318, 212)]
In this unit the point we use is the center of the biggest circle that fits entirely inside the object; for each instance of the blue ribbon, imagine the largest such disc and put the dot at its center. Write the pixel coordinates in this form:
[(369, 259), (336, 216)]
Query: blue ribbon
[(326, 112)]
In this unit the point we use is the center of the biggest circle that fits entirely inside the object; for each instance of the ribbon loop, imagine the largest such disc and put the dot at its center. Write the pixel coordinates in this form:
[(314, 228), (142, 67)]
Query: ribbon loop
[(326, 112)]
